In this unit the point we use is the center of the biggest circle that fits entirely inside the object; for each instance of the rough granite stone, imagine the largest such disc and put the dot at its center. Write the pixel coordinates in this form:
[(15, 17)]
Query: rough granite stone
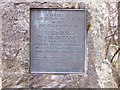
[(15, 48)]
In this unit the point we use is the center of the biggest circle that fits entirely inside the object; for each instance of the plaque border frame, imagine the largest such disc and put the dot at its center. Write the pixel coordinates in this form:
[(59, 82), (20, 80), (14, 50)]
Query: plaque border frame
[(85, 61)]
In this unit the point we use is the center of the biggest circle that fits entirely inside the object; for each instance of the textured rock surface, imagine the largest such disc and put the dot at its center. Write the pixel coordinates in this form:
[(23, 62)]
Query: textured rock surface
[(15, 50), (0, 45)]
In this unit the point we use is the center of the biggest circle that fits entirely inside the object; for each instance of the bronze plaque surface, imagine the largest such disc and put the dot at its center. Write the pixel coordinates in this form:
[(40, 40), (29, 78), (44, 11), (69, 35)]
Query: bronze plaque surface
[(57, 43)]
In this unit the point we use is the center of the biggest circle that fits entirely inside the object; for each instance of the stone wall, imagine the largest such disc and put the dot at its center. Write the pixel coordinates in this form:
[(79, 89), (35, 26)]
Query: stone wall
[(15, 48)]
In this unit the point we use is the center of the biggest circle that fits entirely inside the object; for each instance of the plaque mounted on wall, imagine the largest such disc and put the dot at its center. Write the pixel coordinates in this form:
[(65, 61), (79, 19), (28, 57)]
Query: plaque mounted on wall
[(57, 40)]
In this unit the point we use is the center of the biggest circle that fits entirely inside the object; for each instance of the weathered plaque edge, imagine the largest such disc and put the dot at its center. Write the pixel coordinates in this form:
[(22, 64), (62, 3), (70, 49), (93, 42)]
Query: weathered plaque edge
[(85, 61)]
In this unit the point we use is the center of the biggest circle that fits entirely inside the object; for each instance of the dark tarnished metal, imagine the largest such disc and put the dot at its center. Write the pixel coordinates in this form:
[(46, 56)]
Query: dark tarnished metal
[(58, 40)]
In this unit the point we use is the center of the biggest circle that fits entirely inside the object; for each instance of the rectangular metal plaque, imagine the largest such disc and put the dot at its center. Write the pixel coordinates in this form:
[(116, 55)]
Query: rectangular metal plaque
[(57, 40)]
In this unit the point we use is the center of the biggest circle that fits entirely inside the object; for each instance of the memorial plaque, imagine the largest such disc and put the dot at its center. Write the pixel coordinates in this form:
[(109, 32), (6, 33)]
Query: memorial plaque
[(58, 39)]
